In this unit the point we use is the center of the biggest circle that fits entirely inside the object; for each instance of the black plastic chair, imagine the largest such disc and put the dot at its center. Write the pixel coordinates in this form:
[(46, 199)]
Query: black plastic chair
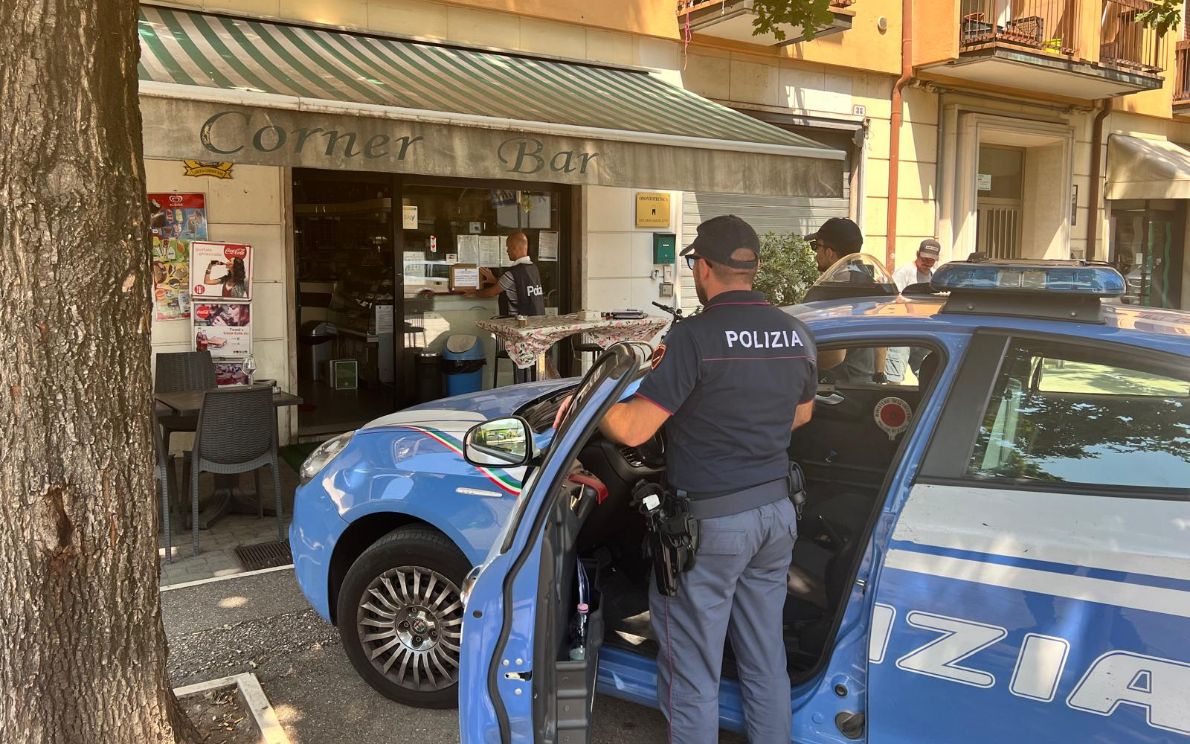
[(237, 433), (179, 372), (580, 345)]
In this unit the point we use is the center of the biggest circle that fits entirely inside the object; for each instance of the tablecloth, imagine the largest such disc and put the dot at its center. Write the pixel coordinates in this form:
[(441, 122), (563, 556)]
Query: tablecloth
[(526, 343)]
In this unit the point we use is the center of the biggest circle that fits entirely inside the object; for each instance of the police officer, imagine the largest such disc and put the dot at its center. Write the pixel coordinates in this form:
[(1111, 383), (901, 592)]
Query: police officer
[(729, 385), (519, 288)]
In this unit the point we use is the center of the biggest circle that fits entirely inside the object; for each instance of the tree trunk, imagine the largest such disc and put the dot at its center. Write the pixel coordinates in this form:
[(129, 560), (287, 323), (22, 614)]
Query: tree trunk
[(82, 647)]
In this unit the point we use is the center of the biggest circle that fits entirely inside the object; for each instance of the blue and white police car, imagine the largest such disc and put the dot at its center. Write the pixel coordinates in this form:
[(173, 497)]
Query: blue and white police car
[(996, 542)]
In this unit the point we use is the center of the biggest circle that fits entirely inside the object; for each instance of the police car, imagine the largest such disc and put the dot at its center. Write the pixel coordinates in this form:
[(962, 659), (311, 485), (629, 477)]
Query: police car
[(996, 544)]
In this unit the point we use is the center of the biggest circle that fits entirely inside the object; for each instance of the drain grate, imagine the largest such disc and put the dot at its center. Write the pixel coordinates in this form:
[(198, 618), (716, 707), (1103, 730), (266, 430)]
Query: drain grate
[(264, 555)]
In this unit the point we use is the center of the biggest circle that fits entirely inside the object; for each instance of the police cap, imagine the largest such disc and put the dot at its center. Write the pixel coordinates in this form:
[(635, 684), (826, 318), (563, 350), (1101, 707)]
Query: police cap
[(720, 237)]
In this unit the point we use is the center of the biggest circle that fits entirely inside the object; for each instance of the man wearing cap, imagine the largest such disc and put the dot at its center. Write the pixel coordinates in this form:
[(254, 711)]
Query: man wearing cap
[(837, 238), (922, 268), (729, 385)]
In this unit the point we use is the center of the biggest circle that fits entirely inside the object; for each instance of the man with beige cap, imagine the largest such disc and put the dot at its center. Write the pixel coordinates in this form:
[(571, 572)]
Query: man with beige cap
[(922, 268)]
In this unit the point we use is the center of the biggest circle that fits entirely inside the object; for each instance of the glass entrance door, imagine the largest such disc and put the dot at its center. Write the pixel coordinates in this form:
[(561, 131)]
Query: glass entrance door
[(449, 230), (343, 245), (1148, 249)]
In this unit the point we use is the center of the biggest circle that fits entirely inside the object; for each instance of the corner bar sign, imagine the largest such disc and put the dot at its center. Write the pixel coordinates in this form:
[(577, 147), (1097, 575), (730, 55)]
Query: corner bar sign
[(434, 145)]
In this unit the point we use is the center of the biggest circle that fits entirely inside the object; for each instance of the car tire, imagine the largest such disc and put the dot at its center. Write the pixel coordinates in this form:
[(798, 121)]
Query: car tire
[(400, 616)]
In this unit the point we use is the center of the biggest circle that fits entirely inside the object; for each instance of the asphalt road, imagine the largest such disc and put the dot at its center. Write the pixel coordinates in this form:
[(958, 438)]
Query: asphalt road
[(262, 624)]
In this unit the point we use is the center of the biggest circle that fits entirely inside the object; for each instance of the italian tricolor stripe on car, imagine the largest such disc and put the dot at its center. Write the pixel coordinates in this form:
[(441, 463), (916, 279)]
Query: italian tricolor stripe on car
[(498, 476)]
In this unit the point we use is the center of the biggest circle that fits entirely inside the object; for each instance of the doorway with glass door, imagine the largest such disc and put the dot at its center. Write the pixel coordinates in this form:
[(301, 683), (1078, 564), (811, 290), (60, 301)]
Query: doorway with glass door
[(345, 274), (1148, 248)]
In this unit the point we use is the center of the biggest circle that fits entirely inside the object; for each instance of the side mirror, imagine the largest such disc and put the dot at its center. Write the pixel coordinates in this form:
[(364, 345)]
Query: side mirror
[(502, 443)]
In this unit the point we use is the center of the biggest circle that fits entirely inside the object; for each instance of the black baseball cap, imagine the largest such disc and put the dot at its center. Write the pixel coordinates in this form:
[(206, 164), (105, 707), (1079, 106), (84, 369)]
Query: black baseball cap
[(841, 234), (720, 237)]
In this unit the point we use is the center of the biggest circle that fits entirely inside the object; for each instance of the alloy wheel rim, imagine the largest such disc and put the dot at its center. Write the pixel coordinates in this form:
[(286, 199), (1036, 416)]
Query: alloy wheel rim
[(410, 622)]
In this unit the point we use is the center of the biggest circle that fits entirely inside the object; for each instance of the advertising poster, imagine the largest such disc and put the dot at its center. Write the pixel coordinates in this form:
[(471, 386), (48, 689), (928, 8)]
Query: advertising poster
[(223, 328), (175, 220), (220, 271)]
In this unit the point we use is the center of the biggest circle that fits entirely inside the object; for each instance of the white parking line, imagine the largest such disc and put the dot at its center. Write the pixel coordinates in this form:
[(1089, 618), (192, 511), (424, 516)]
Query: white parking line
[(213, 579)]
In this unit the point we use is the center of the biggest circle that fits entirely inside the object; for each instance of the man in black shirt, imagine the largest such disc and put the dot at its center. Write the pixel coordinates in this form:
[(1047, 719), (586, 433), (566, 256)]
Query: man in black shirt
[(729, 385), (519, 288)]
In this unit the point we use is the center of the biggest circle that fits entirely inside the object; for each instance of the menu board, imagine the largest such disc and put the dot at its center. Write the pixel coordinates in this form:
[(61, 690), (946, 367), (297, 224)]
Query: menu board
[(221, 271), (223, 328), (175, 220)]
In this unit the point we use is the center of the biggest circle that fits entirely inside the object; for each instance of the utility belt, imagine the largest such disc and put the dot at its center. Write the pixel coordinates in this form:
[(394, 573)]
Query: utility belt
[(672, 517)]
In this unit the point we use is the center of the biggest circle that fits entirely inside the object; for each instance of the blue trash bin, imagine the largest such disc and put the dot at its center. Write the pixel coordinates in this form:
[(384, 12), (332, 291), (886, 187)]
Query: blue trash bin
[(463, 360)]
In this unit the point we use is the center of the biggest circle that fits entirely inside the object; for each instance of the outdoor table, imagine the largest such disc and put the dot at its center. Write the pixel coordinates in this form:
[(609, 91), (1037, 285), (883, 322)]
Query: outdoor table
[(527, 344), (189, 403)]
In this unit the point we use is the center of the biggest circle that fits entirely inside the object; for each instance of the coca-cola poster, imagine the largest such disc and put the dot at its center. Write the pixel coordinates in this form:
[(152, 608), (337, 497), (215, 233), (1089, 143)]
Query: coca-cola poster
[(223, 328), (220, 271), (175, 221)]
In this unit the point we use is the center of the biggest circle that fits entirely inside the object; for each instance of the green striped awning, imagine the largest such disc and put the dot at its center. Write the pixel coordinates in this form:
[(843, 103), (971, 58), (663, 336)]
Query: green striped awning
[(205, 51)]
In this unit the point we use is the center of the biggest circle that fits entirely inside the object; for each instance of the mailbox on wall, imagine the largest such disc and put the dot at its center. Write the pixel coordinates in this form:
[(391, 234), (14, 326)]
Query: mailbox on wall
[(664, 248)]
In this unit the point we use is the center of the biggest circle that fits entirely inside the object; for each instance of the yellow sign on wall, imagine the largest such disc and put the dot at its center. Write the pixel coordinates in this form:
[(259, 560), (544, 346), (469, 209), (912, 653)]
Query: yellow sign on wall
[(652, 209)]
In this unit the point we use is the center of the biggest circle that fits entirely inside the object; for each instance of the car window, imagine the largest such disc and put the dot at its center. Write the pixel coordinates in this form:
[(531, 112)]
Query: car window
[(855, 365), (1057, 414)]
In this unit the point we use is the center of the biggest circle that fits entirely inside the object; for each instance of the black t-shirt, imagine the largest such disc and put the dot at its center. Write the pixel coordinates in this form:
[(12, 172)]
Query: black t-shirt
[(731, 378)]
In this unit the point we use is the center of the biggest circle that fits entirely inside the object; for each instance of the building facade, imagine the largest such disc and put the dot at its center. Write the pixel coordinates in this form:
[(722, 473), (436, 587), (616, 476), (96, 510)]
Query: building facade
[(373, 143)]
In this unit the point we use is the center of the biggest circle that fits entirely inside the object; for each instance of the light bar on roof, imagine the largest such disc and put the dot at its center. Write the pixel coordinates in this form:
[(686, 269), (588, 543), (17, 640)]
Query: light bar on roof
[(1029, 278)]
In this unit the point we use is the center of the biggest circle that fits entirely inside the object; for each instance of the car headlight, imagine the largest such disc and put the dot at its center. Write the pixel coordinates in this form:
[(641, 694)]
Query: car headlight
[(322, 456)]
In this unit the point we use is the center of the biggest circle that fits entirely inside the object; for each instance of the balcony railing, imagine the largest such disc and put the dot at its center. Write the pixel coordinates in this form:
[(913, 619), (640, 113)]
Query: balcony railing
[(1126, 42), (1048, 26), (1181, 93)]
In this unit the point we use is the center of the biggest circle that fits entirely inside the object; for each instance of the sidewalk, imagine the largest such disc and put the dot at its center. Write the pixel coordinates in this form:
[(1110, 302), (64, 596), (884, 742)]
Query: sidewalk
[(218, 544)]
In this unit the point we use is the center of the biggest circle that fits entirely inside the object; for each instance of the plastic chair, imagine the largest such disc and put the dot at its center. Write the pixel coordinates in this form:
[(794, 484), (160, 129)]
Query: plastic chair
[(178, 372), (163, 471), (237, 433), (580, 345)]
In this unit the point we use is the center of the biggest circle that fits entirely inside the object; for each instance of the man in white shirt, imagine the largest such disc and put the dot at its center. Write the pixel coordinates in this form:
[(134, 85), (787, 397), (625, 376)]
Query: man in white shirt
[(922, 268)]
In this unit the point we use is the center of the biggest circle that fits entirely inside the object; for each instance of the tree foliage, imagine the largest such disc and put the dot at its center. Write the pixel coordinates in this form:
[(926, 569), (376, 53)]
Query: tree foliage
[(774, 16), (1163, 15), (787, 268)]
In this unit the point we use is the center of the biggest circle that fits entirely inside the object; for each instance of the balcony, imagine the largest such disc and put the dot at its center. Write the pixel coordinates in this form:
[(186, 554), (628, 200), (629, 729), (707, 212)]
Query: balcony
[(732, 19), (1181, 91), (1046, 46)]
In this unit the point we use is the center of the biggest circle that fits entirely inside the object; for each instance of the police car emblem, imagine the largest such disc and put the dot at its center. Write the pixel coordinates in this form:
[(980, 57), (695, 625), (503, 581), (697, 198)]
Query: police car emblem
[(658, 355), (892, 416)]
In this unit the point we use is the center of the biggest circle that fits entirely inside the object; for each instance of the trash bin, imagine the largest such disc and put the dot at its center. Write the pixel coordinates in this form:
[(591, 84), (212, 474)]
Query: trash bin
[(463, 363), (314, 349), (429, 376)]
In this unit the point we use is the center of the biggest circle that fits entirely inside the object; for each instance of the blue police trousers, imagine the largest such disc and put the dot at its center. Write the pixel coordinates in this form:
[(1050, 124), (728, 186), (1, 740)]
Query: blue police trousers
[(737, 585)]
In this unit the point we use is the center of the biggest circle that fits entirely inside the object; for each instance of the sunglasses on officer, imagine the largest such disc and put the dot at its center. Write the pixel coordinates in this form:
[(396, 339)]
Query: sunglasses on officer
[(693, 258)]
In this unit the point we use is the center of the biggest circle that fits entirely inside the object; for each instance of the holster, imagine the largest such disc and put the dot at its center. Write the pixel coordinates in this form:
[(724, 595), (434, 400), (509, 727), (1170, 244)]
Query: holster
[(797, 487), (673, 534)]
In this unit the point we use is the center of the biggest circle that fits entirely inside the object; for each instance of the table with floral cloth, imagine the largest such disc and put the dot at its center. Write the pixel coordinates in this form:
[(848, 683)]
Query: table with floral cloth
[(525, 344)]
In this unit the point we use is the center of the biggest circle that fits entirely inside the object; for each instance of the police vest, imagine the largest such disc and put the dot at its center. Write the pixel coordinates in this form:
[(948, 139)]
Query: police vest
[(530, 297)]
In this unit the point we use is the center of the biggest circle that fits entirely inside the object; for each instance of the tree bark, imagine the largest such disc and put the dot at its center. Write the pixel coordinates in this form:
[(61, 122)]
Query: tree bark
[(82, 646)]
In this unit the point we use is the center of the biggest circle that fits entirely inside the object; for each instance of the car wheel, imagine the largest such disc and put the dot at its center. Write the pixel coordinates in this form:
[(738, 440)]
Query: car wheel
[(400, 615)]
